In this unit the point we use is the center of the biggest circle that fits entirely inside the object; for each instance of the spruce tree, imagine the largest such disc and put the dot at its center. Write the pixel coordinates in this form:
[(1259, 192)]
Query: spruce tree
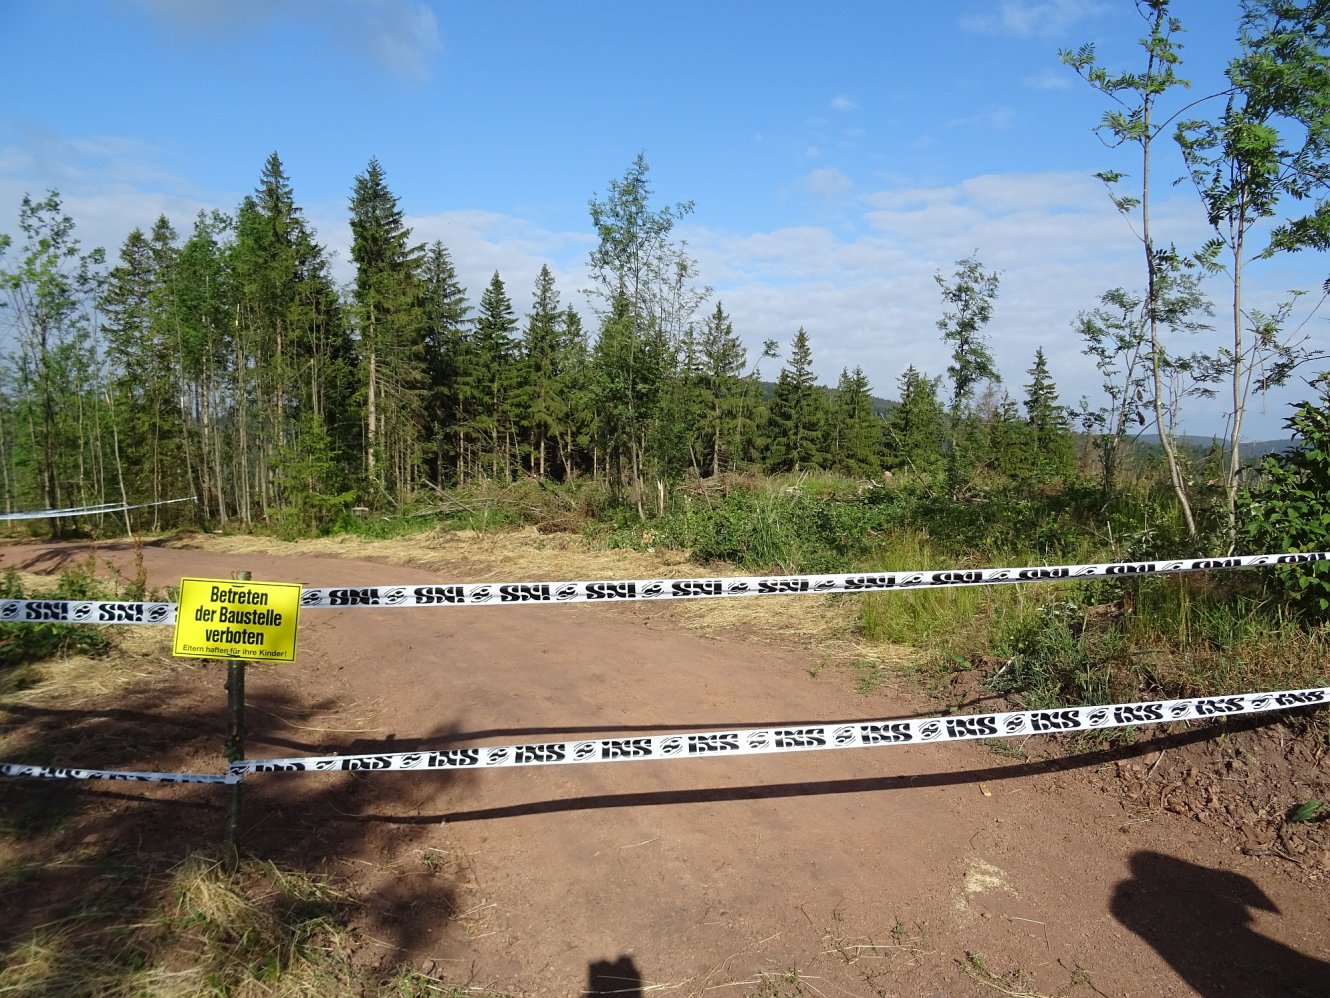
[(914, 428), (855, 431), (796, 418), (725, 391), (389, 318), (1050, 436), (446, 345), (545, 405), (495, 379)]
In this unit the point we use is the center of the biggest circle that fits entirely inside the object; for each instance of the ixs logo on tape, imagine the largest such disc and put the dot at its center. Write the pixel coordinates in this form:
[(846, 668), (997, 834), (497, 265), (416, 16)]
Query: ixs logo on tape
[(435, 595), (800, 737), (888, 733), (625, 748), (547, 752), (353, 597), (1301, 559), (1220, 705), (221, 618), (705, 744), (1055, 720), (1034, 574), (454, 758), (525, 593), (857, 582), (980, 726), (955, 578), (120, 613), (611, 590), (46, 610), (1130, 569), (1297, 699), (698, 587), (1138, 713), (783, 585)]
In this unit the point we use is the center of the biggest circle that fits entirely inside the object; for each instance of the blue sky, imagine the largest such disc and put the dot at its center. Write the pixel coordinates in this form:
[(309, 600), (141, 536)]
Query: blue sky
[(839, 154)]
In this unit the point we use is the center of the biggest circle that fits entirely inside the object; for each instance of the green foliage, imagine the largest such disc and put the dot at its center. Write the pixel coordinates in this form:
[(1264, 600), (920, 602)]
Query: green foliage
[(797, 415), (854, 430), (1291, 510), (1049, 657), (22, 644), (1306, 811), (914, 428), (1053, 452), (759, 529), (313, 481), (389, 321), (969, 296), (945, 620)]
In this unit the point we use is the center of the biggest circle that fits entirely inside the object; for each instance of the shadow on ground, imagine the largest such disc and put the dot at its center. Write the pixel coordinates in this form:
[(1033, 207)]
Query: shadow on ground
[(614, 977), (82, 861), (1199, 920)]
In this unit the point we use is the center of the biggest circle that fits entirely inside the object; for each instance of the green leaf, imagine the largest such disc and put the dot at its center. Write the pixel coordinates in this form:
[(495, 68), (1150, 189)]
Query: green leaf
[(1305, 811)]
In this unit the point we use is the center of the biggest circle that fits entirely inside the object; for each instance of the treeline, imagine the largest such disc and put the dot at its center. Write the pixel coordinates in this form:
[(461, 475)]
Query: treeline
[(229, 365)]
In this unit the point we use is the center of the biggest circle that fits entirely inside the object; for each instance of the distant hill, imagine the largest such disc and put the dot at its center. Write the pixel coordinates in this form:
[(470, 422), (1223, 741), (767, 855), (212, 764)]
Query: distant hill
[(881, 406), (1252, 450)]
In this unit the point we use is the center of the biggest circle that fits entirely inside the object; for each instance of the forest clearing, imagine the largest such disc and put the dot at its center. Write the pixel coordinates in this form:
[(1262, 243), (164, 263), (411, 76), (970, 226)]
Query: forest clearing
[(1084, 329), (1161, 863)]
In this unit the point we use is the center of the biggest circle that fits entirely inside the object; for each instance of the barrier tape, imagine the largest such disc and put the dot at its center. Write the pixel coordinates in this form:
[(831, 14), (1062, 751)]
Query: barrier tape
[(802, 738), (513, 593), (118, 507), (63, 773), (742, 741)]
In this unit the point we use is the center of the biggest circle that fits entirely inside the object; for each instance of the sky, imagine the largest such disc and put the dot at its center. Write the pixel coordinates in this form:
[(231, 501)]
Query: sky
[(838, 155)]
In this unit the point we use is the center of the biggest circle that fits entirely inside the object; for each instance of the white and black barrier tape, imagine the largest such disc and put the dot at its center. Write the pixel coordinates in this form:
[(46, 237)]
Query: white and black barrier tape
[(514, 593), (98, 510), (64, 773), (802, 738), (479, 594), (63, 611), (746, 741)]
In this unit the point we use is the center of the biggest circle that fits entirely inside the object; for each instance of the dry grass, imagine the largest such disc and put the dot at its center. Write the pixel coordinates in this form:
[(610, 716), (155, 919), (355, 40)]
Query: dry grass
[(139, 655), (249, 931)]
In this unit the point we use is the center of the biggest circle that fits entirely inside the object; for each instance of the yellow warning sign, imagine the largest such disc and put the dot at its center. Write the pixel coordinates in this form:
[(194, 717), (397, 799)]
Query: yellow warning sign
[(222, 618)]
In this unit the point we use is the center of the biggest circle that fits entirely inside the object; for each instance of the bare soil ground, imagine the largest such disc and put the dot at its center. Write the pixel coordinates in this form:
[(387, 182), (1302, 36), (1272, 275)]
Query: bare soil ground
[(1157, 868)]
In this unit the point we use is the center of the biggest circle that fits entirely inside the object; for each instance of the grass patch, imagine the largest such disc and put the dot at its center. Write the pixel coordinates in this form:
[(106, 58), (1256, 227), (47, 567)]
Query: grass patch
[(205, 930)]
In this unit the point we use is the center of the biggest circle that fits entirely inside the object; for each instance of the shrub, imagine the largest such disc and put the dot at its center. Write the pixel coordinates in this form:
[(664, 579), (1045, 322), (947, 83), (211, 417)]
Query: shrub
[(1292, 512)]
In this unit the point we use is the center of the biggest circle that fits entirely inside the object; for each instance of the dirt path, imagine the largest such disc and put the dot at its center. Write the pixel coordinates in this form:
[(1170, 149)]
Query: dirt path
[(935, 870)]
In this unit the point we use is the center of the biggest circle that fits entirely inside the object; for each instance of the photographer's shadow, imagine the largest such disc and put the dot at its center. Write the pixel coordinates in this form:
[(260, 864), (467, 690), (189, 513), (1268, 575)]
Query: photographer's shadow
[(1199, 920), (618, 977)]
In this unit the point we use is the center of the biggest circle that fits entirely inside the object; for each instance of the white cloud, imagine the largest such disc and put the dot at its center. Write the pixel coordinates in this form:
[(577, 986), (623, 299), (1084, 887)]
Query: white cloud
[(996, 119), (401, 36), (843, 103), (1025, 18), (828, 182), (871, 300), (1050, 79)]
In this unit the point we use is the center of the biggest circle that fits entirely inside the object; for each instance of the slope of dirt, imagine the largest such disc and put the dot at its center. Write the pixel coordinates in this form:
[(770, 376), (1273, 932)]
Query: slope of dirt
[(932, 870)]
